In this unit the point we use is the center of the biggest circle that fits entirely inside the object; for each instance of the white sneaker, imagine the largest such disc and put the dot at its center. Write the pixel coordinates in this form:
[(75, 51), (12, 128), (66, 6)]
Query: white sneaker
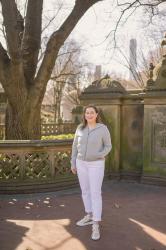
[(95, 232), (87, 220)]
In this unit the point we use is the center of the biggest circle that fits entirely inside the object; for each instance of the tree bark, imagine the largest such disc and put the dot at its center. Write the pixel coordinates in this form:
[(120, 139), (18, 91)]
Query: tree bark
[(23, 123), (32, 38)]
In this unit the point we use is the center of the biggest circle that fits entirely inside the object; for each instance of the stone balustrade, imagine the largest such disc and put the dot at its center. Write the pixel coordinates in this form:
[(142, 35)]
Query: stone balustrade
[(56, 129), (49, 129), (32, 166)]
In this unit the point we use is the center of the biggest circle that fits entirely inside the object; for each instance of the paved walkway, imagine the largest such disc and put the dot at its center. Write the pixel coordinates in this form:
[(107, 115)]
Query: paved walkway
[(134, 218)]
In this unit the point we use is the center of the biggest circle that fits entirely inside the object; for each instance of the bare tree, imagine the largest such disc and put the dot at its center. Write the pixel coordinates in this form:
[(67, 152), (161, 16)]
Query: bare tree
[(140, 71), (153, 13), (68, 67), (23, 80), (73, 90), (127, 8)]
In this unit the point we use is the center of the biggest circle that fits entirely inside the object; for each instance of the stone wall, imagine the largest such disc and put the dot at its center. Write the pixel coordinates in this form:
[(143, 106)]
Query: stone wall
[(154, 156), (137, 122), (132, 137)]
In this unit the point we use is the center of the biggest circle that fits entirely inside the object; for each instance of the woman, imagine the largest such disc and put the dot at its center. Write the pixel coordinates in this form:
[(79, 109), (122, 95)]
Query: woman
[(92, 142)]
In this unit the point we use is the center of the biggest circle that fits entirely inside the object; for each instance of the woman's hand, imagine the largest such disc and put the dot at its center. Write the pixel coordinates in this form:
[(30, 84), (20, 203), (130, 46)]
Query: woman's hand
[(74, 170)]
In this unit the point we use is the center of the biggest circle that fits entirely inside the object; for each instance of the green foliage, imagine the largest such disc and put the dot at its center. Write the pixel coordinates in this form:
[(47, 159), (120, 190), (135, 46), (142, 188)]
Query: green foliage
[(58, 137), (60, 120), (77, 110), (77, 121)]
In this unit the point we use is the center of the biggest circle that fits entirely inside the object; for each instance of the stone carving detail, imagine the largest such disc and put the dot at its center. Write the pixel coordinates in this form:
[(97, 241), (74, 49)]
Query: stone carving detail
[(159, 117), (9, 166), (34, 166), (157, 74), (150, 81), (163, 139), (159, 136), (62, 160), (106, 83), (37, 166), (163, 73)]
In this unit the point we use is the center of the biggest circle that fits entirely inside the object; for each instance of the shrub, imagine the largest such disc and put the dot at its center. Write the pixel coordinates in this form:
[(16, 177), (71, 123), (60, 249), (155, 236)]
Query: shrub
[(58, 137)]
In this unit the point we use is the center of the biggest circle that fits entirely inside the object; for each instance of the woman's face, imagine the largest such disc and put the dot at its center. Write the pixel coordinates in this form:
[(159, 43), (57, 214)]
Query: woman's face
[(90, 115)]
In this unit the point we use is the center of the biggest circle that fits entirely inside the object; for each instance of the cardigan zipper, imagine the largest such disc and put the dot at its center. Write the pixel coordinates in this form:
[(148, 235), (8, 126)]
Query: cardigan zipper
[(86, 145)]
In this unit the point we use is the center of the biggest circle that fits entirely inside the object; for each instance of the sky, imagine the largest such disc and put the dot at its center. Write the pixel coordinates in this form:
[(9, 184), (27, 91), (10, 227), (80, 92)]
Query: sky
[(94, 27), (99, 22)]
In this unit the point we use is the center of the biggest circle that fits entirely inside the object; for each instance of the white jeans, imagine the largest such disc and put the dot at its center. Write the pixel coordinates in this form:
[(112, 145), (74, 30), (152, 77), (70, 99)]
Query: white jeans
[(90, 176)]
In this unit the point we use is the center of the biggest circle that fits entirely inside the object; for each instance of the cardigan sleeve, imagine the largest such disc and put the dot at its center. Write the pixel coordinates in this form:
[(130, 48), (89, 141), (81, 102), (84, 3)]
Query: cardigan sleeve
[(107, 144), (74, 150)]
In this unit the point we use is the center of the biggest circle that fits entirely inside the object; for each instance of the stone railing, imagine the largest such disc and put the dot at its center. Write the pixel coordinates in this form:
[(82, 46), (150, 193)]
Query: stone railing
[(56, 129), (49, 129), (33, 166)]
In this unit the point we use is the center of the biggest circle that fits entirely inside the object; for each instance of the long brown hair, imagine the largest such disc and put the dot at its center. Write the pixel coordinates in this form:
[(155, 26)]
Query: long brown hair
[(84, 121)]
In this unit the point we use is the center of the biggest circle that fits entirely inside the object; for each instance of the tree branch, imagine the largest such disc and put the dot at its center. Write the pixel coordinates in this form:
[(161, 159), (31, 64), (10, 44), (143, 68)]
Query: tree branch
[(3, 55), (13, 83), (4, 61), (132, 6), (141, 3), (52, 19), (56, 41), (20, 26), (65, 74), (10, 14), (32, 38)]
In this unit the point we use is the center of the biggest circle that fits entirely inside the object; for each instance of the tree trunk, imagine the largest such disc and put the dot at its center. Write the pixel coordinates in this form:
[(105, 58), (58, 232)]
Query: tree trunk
[(23, 81), (23, 124)]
